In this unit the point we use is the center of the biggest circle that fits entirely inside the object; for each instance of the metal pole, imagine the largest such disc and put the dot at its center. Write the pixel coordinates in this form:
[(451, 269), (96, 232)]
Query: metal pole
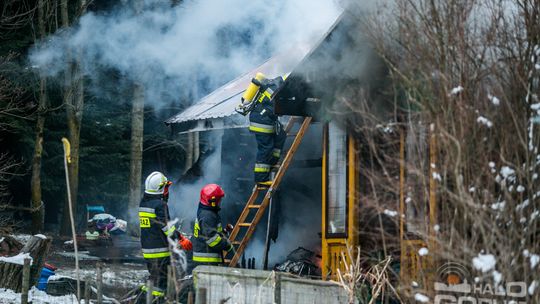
[(99, 283), (67, 159), (25, 281), (149, 290)]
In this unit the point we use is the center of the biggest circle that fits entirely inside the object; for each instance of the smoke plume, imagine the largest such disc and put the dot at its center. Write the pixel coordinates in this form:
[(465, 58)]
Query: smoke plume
[(184, 50)]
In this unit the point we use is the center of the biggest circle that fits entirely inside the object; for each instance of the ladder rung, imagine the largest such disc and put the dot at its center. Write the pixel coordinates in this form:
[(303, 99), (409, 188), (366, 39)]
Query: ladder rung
[(292, 134), (235, 242), (244, 224), (226, 260), (254, 206)]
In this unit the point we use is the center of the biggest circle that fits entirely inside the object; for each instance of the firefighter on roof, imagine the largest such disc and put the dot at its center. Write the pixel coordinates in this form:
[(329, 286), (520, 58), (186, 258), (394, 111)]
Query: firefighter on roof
[(154, 218), (209, 236), (264, 123)]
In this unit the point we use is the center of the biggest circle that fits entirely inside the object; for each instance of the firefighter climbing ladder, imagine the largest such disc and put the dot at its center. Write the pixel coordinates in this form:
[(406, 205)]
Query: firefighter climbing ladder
[(260, 208)]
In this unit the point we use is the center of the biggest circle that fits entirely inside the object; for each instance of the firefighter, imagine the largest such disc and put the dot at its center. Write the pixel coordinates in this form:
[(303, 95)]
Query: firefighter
[(264, 123), (154, 218), (209, 239)]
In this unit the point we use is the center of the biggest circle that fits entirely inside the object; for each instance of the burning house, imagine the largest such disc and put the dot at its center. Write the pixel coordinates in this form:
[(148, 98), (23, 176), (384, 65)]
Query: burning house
[(348, 183)]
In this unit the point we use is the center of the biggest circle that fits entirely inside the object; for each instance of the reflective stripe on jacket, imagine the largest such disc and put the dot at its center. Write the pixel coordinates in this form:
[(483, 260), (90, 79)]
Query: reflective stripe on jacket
[(208, 239), (153, 218), (262, 118)]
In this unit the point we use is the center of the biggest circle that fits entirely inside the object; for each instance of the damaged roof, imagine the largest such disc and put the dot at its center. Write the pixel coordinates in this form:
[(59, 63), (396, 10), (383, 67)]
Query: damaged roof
[(340, 66), (216, 110)]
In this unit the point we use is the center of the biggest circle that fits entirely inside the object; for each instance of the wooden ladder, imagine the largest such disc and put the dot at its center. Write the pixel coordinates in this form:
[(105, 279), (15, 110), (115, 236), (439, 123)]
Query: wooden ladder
[(240, 245)]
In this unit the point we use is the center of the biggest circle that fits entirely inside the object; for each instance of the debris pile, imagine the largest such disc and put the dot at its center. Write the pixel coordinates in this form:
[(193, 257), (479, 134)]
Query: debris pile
[(302, 262)]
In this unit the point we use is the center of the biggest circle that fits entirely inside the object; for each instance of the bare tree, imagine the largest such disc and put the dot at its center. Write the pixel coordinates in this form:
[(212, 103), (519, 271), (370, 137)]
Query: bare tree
[(465, 77), (38, 215), (137, 134), (74, 103)]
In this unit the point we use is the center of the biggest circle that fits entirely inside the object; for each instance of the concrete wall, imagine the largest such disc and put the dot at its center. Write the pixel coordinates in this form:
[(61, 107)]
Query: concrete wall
[(244, 286)]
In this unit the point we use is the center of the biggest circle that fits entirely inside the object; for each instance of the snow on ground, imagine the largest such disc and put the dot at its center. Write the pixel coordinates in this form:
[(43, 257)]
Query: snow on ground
[(35, 296), (117, 275), (83, 255), (23, 238)]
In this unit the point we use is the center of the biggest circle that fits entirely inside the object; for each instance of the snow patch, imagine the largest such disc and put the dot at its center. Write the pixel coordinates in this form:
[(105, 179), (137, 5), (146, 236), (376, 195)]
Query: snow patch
[(41, 236), (391, 213), (22, 238), (484, 121), (532, 287), (472, 189), (17, 259), (535, 259), (2, 239), (535, 106), (520, 188), (534, 215), (83, 255), (421, 298), (456, 90), (414, 284), (484, 262), (491, 164), (35, 296), (494, 100), (436, 176), (498, 206), (524, 204), (423, 251), (508, 173), (497, 277)]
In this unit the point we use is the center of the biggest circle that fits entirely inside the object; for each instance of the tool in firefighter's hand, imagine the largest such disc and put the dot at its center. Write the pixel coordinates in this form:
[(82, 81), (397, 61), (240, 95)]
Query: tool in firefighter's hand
[(185, 243), (248, 98)]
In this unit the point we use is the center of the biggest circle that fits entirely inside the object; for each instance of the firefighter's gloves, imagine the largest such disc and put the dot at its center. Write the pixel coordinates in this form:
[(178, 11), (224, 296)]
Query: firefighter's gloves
[(228, 228), (185, 243)]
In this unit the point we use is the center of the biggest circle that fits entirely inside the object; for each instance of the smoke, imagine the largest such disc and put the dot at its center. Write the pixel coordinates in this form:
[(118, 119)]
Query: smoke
[(180, 51)]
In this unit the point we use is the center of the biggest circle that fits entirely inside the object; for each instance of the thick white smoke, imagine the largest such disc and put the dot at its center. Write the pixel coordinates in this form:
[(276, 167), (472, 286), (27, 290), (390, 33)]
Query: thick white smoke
[(185, 50)]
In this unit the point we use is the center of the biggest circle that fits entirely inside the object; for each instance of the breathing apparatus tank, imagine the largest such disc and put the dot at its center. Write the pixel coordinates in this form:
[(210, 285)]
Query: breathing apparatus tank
[(249, 95)]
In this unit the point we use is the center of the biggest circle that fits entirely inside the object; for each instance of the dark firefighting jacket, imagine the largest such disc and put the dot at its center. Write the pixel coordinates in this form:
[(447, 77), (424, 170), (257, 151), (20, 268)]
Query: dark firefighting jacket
[(209, 240), (153, 217), (262, 118)]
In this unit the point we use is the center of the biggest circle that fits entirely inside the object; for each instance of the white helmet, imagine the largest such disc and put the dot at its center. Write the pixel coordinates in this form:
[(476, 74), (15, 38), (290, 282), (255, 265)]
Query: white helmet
[(155, 183)]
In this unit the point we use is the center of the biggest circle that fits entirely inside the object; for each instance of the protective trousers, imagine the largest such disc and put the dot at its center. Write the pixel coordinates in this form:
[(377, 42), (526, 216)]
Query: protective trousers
[(269, 148), (158, 275)]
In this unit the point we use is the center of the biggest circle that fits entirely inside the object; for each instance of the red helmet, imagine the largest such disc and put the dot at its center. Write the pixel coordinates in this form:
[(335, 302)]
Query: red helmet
[(211, 195)]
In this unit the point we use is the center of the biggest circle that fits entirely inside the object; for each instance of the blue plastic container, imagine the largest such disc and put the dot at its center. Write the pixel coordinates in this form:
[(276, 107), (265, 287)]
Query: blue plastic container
[(44, 278)]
